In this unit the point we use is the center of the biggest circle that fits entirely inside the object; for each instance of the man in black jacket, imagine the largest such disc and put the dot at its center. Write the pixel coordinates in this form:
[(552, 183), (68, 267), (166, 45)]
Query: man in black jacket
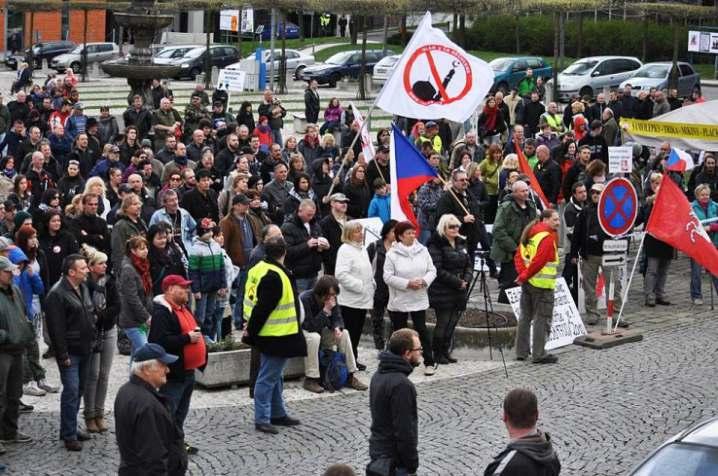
[(311, 102), (70, 323), (332, 226), (530, 452), (548, 174), (574, 206), (149, 440), (305, 245), (392, 399), (175, 329), (202, 201)]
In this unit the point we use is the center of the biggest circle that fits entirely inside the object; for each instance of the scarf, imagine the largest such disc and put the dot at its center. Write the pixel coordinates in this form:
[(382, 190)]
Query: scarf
[(181, 161), (9, 173), (490, 122), (143, 267), (311, 141)]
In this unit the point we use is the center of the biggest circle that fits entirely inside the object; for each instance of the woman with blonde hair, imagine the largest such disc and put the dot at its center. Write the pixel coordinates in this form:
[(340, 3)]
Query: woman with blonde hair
[(329, 147), (106, 302), (356, 282), (96, 186), (240, 184), (510, 163), (447, 294)]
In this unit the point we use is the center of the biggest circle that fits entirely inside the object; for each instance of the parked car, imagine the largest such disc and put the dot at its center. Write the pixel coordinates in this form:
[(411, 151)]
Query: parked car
[(384, 68), (296, 62), (509, 71), (692, 452), (169, 53), (587, 76), (340, 65), (192, 63), (41, 51), (96, 52), (656, 75), (291, 31)]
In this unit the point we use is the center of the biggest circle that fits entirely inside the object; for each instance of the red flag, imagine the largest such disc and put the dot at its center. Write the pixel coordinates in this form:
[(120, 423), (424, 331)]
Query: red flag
[(525, 169), (673, 221)]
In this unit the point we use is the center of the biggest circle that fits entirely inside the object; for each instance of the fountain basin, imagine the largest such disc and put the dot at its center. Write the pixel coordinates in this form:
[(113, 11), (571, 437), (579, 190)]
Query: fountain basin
[(121, 68)]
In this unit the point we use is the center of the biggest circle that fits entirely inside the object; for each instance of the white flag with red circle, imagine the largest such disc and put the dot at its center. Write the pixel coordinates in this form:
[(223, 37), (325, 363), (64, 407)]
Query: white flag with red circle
[(435, 78)]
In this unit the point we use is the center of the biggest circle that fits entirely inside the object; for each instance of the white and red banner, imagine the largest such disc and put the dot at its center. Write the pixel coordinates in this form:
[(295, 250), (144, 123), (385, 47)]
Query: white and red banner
[(435, 78), (367, 146)]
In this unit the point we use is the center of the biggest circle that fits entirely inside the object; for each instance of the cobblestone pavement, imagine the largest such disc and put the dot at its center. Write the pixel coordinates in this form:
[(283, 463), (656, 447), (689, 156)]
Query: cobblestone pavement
[(604, 409)]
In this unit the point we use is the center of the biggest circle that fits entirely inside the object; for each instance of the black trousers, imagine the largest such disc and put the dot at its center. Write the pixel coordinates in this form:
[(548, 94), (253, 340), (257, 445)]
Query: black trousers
[(377, 320), (507, 278), (399, 320), (570, 274), (446, 321), (10, 393), (354, 323)]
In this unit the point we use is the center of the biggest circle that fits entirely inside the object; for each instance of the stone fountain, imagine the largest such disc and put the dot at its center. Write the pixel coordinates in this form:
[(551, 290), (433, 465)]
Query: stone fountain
[(143, 19)]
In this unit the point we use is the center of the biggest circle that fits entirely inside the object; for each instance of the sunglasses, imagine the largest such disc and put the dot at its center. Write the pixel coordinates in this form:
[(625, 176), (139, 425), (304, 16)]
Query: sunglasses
[(453, 227)]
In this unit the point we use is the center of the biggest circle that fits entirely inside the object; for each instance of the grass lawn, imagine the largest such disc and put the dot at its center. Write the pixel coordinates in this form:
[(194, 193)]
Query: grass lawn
[(248, 47)]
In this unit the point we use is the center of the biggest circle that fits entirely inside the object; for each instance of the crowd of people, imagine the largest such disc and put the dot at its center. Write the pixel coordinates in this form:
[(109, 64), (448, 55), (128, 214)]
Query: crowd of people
[(199, 215)]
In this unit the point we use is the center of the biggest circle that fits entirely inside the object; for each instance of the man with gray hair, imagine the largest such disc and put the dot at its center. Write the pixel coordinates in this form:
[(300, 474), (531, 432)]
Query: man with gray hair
[(548, 174), (149, 440), (470, 145), (513, 215), (182, 223), (305, 244)]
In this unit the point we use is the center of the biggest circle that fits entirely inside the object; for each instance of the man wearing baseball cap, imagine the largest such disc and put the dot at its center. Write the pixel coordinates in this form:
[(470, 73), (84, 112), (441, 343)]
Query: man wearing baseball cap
[(175, 329), (148, 437), (15, 335)]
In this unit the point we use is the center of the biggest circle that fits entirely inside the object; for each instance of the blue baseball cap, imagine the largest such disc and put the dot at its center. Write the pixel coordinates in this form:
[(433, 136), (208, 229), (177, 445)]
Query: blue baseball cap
[(151, 351)]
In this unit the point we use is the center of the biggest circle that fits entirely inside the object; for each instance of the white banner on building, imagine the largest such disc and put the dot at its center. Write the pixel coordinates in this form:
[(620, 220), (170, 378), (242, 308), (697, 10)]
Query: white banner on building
[(566, 324)]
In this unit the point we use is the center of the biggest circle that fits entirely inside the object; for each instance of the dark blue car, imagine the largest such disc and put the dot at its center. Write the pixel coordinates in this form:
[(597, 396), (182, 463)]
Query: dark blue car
[(340, 65), (291, 31)]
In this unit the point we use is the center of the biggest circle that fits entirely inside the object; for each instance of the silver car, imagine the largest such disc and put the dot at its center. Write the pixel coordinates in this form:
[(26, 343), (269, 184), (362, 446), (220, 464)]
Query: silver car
[(656, 75), (96, 52), (588, 76), (296, 62), (692, 452), (384, 68)]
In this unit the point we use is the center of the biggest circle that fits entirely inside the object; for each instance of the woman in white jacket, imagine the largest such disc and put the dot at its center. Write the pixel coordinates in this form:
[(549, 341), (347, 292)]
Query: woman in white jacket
[(356, 283), (408, 272)]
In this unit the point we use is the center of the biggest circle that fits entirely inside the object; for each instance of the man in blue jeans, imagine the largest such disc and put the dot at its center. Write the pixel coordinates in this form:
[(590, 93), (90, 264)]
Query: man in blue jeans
[(271, 305), (71, 325), (175, 329)]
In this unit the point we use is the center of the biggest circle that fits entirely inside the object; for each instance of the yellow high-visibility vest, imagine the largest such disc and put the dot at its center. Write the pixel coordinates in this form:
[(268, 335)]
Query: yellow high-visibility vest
[(546, 277), (283, 319)]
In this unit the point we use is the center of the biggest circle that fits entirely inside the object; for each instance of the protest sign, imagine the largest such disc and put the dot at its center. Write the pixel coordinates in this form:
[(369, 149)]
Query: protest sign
[(620, 160), (566, 323)]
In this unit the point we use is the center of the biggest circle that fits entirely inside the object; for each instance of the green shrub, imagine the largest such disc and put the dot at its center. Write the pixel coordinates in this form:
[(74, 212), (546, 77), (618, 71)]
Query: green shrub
[(604, 37)]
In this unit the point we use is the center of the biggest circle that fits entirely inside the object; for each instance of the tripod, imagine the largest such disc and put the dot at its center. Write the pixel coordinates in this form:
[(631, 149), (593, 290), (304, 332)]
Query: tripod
[(488, 304)]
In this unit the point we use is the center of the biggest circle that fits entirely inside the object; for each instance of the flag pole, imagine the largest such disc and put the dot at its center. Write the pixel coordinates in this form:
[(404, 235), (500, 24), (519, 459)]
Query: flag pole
[(630, 279), (351, 146)]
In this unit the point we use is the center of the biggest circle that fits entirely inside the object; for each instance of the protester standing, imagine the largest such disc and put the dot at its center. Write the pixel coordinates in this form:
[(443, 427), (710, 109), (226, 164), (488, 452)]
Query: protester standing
[(135, 287), (394, 415), (16, 333), (356, 282), (377, 255), (536, 262), (408, 272), (175, 329), (70, 321), (659, 254), (273, 311), (447, 294), (529, 452), (149, 440), (705, 209), (106, 302)]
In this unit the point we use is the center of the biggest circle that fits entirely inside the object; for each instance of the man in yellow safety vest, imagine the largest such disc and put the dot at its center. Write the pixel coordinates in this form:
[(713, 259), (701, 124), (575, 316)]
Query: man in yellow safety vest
[(536, 262), (271, 303)]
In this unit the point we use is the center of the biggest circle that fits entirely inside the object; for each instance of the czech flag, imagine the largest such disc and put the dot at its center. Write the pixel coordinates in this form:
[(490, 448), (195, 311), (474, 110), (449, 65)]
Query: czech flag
[(679, 161), (409, 170)]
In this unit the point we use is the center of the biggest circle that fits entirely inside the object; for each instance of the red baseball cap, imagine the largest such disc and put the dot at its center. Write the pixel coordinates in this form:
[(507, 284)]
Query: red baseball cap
[(174, 280)]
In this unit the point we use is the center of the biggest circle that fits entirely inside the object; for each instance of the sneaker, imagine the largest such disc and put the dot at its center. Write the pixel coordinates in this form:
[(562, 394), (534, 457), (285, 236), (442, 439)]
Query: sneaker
[(18, 438), (31, 388), (430, 369), (441, 360), (26, 408), (312, 385), (42, 384), (697, 302), (357, 384), (286, 420)]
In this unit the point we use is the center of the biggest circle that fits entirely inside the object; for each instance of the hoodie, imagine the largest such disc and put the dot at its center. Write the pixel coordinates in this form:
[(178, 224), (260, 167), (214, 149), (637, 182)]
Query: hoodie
[(394, 417), (29, 284), (531, 455)]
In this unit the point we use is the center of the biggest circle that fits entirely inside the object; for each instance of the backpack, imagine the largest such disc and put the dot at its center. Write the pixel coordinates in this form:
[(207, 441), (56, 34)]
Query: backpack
[(333, 370)]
